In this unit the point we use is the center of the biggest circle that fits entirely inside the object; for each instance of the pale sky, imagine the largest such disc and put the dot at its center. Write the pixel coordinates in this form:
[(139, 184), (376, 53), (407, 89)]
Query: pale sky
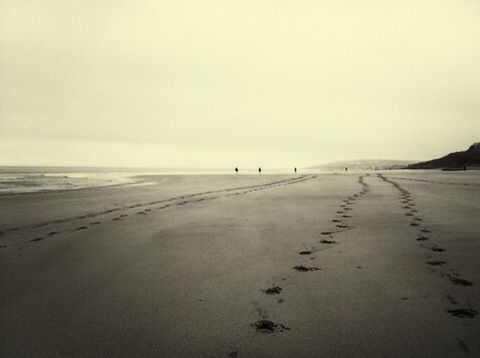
[(224, 83)]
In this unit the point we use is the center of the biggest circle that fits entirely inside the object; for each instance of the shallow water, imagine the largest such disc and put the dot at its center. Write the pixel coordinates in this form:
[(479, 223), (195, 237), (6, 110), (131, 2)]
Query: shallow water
[(40, 182)]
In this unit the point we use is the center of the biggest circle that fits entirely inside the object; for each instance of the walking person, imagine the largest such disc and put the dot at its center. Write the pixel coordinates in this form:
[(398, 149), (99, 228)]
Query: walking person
[(259, 170)]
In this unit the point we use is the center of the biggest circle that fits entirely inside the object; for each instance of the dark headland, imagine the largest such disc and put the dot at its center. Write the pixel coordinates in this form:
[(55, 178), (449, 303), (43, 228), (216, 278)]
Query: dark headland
[(457, 160)]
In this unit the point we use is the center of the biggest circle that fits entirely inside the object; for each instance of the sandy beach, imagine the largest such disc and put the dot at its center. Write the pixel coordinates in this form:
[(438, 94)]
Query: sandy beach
[(317, 265)]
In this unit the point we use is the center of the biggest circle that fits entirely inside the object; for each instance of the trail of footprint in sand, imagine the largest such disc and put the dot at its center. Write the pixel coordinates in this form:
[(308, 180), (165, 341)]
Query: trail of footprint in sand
[(264, 325), (458, 281), (341, 221)]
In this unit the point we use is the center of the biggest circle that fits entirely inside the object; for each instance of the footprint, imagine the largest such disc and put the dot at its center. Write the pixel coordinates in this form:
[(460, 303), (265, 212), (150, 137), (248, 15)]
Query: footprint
[(437, 249), (342, 226), (51, 233), (267, 326), (425, 230), (38, 239), (274, 290), (306, 252), (302, 268), (95, 223), (413, 224), (436, 263), (460, 281), (80, 228), (463, 312), (324, 241), (422, 238), (326, 233)]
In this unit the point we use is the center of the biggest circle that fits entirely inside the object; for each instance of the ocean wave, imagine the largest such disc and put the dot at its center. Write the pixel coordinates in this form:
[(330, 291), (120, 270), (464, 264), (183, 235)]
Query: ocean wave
[(45, 182)]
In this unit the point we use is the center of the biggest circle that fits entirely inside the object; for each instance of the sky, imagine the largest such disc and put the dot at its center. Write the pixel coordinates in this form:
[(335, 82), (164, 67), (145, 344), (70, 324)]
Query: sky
[(222, 83)]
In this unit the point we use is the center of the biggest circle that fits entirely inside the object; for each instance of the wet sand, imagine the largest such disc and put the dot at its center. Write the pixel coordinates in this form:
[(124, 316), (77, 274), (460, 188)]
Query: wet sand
[(357, 264)]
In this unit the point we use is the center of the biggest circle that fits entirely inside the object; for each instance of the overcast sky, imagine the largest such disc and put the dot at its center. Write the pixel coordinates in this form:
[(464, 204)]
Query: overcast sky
[(223, 83)]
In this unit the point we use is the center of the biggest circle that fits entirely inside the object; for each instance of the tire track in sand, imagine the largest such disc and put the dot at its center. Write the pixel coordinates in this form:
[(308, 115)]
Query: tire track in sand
[(36, 233)]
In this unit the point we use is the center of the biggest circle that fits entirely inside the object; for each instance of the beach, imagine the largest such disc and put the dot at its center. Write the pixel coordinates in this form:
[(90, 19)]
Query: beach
[(357, 264)]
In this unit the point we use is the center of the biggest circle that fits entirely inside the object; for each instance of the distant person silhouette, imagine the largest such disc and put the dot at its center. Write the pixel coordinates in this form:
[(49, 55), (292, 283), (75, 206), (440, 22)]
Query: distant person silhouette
[(295, 170), (259, 170), (236, 170), (346, 170)]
